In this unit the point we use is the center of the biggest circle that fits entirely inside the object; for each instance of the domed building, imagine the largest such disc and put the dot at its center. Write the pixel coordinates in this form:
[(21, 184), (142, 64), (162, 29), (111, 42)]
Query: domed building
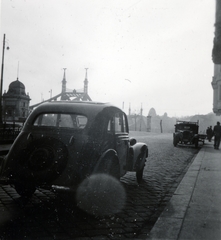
[(152, 112), (15, 102)]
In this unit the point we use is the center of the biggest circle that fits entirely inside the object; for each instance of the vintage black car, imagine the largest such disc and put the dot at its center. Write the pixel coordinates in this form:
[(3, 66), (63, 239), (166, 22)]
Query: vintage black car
[(64, 142), (186, 133)]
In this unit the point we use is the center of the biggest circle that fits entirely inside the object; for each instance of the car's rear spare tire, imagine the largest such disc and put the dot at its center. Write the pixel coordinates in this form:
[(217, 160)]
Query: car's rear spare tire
[(44, 159)]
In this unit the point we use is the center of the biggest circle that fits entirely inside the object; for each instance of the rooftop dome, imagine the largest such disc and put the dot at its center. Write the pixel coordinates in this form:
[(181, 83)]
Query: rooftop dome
[(16, 88), (152, 112), (16, 84)]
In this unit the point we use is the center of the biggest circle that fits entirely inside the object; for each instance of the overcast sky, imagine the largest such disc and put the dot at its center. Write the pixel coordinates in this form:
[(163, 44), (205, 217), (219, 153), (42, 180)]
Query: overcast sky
[(151, 52)]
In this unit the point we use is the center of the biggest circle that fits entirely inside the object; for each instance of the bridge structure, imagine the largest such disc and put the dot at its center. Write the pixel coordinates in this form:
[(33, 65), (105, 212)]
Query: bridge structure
[(67, 94)]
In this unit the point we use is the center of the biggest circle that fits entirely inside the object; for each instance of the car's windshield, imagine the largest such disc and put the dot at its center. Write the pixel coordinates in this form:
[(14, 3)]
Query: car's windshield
[(185, 127), (61, 120)]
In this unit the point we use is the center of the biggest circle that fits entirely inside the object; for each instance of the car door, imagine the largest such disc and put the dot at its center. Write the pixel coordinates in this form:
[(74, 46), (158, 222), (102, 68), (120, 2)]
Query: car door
[(121, 139)]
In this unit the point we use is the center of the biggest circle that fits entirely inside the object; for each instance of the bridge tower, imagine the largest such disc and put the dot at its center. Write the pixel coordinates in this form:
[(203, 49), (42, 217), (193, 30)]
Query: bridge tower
[(63, 90), (86, 82)]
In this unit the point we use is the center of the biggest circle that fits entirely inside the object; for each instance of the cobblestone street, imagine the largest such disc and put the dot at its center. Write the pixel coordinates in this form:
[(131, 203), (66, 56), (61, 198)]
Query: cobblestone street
[(48, 216)]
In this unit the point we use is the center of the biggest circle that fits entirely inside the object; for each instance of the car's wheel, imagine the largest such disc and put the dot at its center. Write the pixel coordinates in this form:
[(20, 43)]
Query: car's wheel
[(115, 171), (174, 143), (25, 188), (139, 172), (111, 168), (44, 159), (109, 165), (139, 175), (196, 143)]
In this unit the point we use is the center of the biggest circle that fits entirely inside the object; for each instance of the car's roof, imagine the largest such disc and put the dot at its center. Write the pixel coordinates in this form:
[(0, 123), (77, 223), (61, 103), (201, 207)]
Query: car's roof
[(186, 123), (68, 104), (88, 108)]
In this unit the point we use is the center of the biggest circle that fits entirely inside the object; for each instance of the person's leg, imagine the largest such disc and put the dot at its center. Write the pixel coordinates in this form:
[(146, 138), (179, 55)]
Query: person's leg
[(215, 141), (218, 142)]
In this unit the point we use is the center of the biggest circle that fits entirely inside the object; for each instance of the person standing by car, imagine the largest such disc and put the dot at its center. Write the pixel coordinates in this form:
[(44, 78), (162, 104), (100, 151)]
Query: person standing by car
[(217, 135)]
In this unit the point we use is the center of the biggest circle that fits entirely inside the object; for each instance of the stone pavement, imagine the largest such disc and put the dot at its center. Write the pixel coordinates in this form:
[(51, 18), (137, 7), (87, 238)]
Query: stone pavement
[(194, 211), (49, 216)]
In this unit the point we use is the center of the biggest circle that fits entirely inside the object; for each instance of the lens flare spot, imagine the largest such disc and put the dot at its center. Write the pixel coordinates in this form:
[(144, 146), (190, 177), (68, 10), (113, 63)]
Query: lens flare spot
[(101, 195)]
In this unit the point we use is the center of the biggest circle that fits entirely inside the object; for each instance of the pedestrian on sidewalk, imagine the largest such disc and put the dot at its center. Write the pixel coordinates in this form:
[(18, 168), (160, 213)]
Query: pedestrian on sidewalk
[(217, 135), (209, 133)]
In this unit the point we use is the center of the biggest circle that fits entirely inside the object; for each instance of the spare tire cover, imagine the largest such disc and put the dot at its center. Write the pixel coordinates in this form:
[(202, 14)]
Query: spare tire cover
[(44, 159)]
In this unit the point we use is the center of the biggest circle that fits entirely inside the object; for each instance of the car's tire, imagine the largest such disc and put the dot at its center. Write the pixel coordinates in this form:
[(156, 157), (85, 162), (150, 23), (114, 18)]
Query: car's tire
[(25, 188), (44, 159), (175, 140), (139, 175), (109, 165), (111, 168), (139, 172), (115, 170), (196, 143)]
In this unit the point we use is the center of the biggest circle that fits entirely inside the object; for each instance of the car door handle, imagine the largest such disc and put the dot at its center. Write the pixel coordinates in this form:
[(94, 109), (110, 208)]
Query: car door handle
[(30, 137), (71, 141)]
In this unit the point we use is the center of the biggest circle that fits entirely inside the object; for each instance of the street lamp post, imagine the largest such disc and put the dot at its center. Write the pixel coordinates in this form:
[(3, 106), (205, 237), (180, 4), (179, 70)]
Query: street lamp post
[(1, 85)]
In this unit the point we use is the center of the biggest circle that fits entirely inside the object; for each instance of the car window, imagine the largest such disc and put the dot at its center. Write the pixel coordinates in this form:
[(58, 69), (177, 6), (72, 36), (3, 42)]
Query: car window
[(110, 127), (124, 124), (186, 127), (61, 120), (81, 121), (117, 123), (66, 121)]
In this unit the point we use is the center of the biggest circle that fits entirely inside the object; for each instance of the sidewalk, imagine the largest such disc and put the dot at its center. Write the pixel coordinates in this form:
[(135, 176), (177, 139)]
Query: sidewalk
[(194, 211)]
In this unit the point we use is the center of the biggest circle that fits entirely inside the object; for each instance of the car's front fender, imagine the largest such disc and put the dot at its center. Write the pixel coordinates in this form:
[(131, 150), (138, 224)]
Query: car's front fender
[(138, 155)]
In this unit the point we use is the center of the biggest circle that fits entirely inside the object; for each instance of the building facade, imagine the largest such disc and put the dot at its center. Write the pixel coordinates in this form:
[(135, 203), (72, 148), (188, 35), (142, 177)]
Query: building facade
[(216, 85), (216, 57), (15, 103)]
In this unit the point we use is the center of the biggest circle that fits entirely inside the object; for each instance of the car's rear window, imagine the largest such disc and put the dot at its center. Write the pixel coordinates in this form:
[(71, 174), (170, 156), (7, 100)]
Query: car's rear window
[(61, 120)]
